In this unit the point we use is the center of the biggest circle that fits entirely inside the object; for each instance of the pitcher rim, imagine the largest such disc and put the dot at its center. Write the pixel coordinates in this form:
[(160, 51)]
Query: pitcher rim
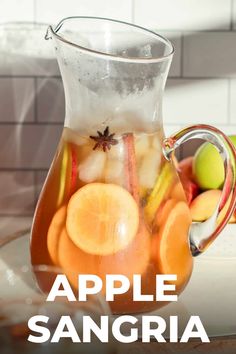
[(114, 57)]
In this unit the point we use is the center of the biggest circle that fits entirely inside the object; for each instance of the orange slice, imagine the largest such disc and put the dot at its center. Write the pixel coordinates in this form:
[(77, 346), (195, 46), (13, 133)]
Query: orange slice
[(102, 219), (54, 232), (174, 252), (164, 212), (134, 259)]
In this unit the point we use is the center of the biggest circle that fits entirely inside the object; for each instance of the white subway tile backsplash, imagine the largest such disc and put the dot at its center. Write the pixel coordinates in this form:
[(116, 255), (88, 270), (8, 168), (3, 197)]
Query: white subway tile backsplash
[(209, 54), (232, 101), (17, 100), (15, 10), (28, 146), (17, 193), (183, 14), (50, 100), (53, 11), (24, 51), (175, 38), (196, 101)]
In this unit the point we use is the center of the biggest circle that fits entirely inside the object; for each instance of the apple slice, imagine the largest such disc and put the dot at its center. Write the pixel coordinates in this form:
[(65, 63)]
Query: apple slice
[(160, 191), (63, 174), (204, 205), (68, 173)]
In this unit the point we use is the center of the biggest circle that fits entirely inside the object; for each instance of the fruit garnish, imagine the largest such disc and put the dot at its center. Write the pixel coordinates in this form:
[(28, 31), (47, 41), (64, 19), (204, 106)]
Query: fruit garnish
[(177, 192), (174, 253), (185, 167), (102, 218), (204, 205), (68, 173), (131, 178), (208, 167), (131, 260), (73, 260), (104, 140), (63, 174), (54, 232), (185, 170), (160, 190), (164, 211), (190, 188)]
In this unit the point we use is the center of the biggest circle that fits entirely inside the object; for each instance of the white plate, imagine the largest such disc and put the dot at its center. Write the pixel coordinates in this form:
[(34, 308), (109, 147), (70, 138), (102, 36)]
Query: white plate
[(210, 294)]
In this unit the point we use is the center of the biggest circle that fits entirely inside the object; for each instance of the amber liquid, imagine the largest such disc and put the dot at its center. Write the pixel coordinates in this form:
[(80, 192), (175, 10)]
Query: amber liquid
[(160, 243)]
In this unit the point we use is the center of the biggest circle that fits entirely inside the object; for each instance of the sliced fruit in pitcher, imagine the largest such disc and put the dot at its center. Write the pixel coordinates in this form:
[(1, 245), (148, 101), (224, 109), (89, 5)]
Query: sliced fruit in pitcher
[(68, 174), (102, 218), (159, 191), (149, 169), (63, 174), (54, 232), (131, 260), (174, 252)]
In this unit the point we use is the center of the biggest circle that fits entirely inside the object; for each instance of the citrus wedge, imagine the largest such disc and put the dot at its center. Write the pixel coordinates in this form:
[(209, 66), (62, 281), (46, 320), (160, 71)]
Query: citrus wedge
[(54, 232), (174, 252), (102, 219)]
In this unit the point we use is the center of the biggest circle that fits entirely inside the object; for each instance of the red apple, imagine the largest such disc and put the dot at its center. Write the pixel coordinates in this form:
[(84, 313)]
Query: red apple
[(185, 171)]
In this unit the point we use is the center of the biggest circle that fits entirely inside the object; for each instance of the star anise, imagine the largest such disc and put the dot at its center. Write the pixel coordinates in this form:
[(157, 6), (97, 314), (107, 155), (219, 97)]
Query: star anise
[(104, 140)]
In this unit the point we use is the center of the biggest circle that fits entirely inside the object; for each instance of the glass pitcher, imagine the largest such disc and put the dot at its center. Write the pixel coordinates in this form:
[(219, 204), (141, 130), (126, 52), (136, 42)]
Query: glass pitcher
[(113, 202)]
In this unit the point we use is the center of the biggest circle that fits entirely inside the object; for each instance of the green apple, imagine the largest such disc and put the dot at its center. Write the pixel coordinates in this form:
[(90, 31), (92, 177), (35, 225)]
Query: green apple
[(208, 168)]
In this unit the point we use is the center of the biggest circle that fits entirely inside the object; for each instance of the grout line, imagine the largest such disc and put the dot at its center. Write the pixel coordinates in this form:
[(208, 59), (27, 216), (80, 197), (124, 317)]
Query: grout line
[(23, 169), (4, 215), (30, 76)]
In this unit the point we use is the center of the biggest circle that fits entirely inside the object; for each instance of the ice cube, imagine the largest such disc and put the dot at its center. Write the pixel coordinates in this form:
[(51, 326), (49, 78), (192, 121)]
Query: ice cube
[(91, 169), (142, 144), (149, 168), (114, 172), (156, 143)]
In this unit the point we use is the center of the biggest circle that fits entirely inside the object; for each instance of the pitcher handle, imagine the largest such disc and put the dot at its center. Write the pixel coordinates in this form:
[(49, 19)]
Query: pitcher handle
[(201, 235)]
